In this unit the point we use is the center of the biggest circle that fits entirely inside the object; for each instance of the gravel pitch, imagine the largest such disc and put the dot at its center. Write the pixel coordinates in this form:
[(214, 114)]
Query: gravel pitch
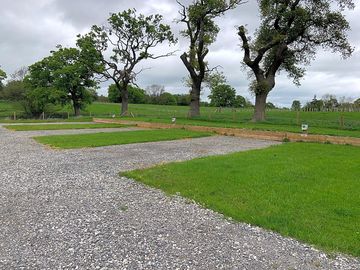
[(68, 209)]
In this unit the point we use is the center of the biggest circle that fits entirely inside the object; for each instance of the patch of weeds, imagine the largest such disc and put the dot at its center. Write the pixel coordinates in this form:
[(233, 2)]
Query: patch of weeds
[(189, 201), (331, 256), (317, 263), (124, 208)]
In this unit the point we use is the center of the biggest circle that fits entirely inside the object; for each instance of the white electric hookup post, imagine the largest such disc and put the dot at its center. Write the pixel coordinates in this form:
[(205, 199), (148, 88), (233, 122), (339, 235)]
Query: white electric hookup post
[(304, 128)]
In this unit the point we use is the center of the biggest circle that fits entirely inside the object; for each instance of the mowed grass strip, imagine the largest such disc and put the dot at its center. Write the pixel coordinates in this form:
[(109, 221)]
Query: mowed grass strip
[(116, 138), (303, 190), (61, 126), (255, 126), (36, 121)]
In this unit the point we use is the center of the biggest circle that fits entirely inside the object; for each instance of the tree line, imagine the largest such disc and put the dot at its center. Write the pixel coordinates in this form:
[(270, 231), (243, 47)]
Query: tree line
[(328, 103), (287, 40), (222, 95)]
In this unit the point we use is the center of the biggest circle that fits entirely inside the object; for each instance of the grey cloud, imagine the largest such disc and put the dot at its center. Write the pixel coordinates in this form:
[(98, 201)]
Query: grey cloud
[(31, 28)]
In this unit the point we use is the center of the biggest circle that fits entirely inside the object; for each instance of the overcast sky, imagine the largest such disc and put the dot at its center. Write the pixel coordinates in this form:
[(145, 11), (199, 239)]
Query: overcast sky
[(29, 29)]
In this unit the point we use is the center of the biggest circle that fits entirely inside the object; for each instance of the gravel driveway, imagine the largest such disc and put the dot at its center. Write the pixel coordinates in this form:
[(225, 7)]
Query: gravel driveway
[(68, 209)]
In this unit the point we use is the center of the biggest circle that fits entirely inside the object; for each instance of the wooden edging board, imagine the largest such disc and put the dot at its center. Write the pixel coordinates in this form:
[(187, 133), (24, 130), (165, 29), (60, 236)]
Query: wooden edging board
[(245, 133)]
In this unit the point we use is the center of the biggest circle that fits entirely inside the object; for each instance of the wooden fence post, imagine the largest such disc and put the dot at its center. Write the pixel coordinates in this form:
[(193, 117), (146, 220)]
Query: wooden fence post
[(342, 121), (298, 118)]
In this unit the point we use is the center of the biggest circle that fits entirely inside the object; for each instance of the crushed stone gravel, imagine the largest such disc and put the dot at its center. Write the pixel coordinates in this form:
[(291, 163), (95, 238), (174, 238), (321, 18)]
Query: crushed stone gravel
[(69, 209)]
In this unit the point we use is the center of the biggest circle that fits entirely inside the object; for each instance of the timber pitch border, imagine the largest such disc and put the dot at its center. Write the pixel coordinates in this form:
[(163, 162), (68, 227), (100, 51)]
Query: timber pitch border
[(245, 133)]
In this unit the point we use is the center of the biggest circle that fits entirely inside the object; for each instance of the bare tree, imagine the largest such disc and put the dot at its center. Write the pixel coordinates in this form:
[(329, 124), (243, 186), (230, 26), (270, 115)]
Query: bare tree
[(290, 33), (19, 74), (128, 39), (201, 31), (155, 90)]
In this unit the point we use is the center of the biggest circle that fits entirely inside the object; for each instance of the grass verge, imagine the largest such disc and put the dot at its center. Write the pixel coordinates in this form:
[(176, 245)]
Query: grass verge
[(255, 126), (71, 120), (61, 126), (303, 190), (116, 138)]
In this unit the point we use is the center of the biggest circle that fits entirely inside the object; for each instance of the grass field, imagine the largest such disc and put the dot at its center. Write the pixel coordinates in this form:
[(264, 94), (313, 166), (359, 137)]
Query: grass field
[(329, 123), (280, 117), (294, 189), (255, 126), (116, 138), (8, 108), (61, 126)]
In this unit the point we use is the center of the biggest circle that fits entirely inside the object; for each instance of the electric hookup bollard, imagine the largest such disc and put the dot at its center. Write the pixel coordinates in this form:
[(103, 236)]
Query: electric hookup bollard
[(304, 129)]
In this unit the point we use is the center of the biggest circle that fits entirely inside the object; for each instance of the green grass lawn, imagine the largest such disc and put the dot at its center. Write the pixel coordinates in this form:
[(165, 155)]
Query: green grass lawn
[(327, 123), (71, 120), (116, 138), (256, 126), (303, 190), (61, 126), (7, 109), (228, 115)]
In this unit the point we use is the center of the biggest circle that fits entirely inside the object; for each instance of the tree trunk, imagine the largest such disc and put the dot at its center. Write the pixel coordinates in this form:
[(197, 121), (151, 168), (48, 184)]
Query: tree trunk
[(260, 105), (124, 101), (76, 108), (195, 101)]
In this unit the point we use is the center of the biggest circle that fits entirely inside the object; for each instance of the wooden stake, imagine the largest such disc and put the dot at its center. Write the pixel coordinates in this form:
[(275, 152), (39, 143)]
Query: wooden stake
[(298, 118), (341, 121)]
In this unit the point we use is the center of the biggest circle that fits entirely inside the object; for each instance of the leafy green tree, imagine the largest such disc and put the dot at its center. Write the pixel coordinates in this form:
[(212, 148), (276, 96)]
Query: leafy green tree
[(240, 102), (136, 94), (288, 38), (296, 105), (201, 30), (2, 77), (214, 78), (166, 98), (39, 100), (270, 105), (102, 99), (314, 105), (129, 38), (182, 99), (222, 95), (330, 102), (113, 94), (13, 91), (69, 73)]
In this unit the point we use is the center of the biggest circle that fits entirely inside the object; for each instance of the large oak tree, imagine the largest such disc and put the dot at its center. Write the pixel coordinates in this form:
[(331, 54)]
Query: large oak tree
[(201, 30), (68, 74), (127, 40), (290, 33)]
